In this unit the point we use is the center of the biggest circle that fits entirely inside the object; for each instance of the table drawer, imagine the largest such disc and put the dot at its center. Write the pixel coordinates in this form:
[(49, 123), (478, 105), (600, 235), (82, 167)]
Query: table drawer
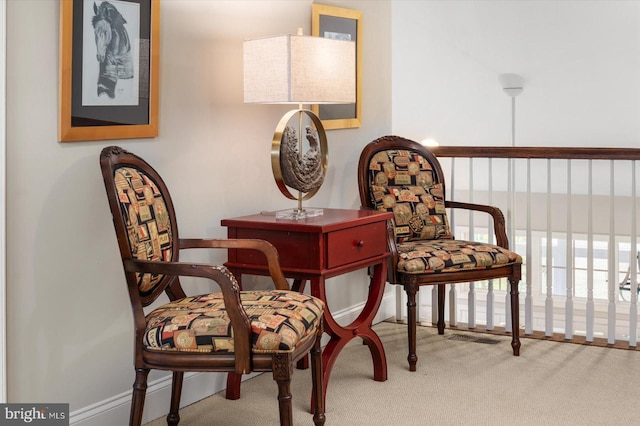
[(357, 243), (297, 250)]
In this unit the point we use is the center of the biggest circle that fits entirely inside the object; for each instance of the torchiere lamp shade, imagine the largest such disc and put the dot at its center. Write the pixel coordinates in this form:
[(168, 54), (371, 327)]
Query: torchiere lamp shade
[(297, 69)]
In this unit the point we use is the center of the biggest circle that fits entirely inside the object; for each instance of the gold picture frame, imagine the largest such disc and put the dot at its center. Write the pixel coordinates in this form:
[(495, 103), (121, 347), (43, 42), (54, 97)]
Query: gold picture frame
[(346, 24), (104, 93)]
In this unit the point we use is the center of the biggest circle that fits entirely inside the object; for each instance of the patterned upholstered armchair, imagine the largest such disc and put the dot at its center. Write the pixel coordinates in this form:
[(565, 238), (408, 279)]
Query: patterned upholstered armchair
[(231, 331), (404, 177)]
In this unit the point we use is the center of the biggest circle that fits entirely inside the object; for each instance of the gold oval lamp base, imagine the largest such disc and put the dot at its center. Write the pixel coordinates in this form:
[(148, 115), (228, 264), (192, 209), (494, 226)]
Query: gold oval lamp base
[(298, 170)]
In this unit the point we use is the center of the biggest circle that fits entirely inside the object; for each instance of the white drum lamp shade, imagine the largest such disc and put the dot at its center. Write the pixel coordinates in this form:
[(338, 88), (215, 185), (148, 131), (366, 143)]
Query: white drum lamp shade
[(297, 69)]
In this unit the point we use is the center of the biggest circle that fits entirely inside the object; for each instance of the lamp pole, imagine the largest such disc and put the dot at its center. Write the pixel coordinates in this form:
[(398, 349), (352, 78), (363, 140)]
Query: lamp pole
[(512, 85)]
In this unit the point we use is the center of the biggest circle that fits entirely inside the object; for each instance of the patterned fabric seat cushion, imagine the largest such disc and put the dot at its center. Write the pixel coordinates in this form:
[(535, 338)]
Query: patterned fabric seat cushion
[(438, 256), (279, 320)]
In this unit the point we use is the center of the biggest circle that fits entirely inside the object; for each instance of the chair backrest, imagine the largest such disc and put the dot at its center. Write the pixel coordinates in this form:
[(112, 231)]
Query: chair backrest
[(143, 217), (402, 176)]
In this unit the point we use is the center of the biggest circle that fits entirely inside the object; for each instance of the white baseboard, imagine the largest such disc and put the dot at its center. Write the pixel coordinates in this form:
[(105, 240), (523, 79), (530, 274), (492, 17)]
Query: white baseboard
[(197, 386)]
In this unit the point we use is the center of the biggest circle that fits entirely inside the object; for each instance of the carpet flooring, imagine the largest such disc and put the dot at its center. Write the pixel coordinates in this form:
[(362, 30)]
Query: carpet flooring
[(462, 379)]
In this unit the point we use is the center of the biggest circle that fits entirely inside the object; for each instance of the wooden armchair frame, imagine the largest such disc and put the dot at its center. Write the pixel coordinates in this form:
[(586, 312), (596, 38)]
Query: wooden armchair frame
[(242, 359), (412, 282)]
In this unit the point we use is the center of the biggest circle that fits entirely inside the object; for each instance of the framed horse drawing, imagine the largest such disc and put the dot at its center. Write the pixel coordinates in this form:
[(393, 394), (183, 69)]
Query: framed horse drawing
[(108, 69)]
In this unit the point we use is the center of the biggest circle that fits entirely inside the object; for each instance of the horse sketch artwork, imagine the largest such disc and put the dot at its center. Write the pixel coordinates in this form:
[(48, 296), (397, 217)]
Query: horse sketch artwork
[(113, 46), (110, 60)]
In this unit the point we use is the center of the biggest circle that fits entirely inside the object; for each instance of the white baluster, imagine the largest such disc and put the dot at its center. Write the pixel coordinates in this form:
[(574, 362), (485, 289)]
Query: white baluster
[(401, 303), (471, 304), (633, 264), (507, 310), (568, 306), (490, 299), (548, 303), (491, 232), (528, 301), (453, 298), (418, 304), (611, 338), (590, 305), (452, 183), (471, 297), (452, 289)]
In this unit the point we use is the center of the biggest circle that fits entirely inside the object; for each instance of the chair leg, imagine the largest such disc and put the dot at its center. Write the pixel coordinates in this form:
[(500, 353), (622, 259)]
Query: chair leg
[(176, 390), (442, 288), (137, 400), (282, 369), (515, 317), (412, 291), (318, 396)]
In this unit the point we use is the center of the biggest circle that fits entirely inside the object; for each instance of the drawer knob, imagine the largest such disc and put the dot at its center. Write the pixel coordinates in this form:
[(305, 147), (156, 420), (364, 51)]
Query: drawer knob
[(359, 243)]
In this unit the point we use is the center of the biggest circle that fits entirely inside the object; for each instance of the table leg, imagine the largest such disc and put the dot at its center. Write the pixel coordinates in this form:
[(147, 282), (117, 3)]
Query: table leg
[(360, 327), (233, 385), (298, 285), (366, 317)]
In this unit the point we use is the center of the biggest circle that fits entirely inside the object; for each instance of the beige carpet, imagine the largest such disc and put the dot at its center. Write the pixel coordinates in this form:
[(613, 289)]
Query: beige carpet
[(458, 382)]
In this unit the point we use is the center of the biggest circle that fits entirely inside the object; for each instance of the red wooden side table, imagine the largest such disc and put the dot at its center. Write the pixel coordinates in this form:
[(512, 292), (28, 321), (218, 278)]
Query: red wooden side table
[(316, 249)]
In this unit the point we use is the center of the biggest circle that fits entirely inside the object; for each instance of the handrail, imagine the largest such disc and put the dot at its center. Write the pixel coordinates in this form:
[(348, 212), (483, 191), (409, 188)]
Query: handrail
[(537, 152)]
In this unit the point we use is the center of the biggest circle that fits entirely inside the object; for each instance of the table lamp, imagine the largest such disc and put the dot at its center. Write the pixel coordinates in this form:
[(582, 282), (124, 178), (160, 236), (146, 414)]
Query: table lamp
[(302, 70)]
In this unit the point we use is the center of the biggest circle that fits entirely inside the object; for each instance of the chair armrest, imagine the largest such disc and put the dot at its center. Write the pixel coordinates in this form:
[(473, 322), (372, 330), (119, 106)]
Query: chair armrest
[(265, 247), (240, 322), (498, 219)]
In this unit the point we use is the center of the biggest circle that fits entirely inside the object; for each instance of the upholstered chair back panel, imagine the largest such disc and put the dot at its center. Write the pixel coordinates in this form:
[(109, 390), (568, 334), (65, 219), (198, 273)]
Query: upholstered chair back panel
[(147, 221), (404, 182)]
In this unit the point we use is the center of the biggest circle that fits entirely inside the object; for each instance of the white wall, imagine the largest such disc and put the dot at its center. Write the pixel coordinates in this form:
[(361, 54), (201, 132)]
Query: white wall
[(69, 321), (580, 61), (3, 203)]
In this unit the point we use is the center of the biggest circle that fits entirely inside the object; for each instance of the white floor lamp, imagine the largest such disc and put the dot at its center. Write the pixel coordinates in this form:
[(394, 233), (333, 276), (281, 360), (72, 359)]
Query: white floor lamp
[(512, 85)]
